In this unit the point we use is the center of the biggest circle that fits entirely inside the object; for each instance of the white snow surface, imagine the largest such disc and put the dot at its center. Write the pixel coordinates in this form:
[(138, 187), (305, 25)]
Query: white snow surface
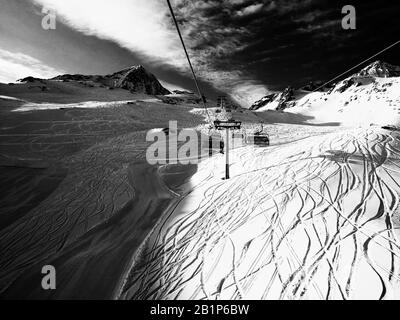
[(55, 106), (9, 98), (313, 219), (372, 102)]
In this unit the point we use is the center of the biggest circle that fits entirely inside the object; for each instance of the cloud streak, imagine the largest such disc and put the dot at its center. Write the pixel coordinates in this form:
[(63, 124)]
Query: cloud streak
[(145, 28), (138, 25), (15, 65), (251, 9)]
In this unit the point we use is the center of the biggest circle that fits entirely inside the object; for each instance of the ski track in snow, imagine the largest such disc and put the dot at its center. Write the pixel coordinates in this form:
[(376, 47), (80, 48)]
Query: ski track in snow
[(314, 219)]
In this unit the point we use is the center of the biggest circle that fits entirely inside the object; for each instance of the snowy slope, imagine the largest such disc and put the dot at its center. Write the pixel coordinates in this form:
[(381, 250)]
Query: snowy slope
[(316, 218), (371, 96), (375, 102), (313, 219)]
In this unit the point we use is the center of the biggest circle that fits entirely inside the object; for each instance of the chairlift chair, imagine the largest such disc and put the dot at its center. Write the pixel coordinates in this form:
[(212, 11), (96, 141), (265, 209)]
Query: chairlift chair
[(259, 138)]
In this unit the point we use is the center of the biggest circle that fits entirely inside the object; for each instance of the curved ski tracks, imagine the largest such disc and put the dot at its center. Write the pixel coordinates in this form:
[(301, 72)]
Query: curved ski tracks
[(315, 219)]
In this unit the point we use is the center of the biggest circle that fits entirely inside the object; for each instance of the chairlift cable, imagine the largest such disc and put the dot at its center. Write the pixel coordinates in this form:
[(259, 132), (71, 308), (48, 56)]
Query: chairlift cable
[(188, 59), (356, 66)]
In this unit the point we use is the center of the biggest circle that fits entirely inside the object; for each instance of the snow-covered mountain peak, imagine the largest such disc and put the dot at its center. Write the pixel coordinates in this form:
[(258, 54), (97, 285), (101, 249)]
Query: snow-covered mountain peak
[(370, 96), (380, 69)]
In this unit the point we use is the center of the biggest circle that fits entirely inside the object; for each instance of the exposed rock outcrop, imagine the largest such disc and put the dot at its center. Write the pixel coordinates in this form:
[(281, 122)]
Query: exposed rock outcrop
[(380, 69), (288, 97), (135, 79)]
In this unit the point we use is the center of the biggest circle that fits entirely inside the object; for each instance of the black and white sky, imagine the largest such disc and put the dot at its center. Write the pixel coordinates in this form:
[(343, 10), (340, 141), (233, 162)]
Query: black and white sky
[(241, 47)]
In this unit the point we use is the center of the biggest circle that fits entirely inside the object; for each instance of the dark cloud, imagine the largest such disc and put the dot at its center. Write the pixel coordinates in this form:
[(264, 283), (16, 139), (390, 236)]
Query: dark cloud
[(278, 43)]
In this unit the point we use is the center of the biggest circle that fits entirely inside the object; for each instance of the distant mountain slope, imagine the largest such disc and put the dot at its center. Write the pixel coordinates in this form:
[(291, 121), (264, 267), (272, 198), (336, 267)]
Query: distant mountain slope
[(275, 101), (369, 96), (289, 97), (135, 79), (131, 83), (380, 69)]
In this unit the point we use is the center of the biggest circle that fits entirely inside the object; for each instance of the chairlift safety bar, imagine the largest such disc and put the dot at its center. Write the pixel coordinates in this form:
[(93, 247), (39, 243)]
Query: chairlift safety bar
[(229, 124)]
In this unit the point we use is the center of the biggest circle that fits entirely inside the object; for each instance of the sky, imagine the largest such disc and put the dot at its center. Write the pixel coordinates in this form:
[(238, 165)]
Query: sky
[(243, 48)]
